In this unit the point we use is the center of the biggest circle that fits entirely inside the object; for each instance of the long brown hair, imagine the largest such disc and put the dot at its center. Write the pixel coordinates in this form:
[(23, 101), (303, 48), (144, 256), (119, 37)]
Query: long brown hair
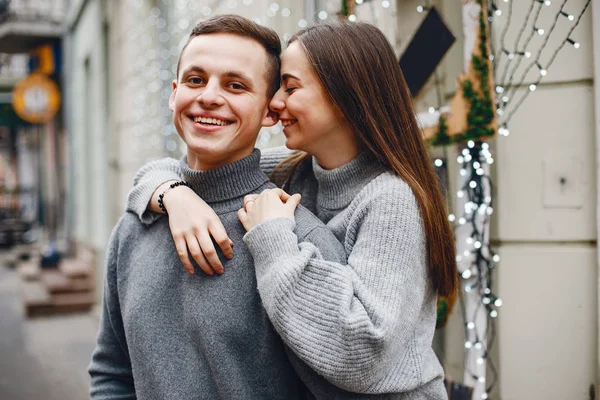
[(358, 69)]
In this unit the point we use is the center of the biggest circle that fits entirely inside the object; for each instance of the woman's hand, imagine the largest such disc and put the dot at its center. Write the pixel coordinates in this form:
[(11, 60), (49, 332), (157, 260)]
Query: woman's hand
[(192, 223), (270, 204)]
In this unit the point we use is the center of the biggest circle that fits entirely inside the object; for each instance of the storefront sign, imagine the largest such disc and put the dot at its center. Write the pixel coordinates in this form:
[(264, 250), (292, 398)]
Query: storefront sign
[(36, 98)]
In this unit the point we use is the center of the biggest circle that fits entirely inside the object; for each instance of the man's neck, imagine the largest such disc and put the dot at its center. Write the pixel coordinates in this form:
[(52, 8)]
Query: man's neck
[(227, 182), (204, 162)]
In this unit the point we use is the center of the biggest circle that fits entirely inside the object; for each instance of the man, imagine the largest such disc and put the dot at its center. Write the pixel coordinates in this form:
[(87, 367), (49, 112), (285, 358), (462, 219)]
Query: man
[(167, 334)]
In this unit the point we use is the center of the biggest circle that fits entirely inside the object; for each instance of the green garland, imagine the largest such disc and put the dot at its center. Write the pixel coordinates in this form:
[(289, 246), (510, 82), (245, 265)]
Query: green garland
[(481, 110)]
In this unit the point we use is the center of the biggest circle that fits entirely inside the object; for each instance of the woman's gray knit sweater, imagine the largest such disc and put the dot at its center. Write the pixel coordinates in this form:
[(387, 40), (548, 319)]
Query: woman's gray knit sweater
[(366, 325)]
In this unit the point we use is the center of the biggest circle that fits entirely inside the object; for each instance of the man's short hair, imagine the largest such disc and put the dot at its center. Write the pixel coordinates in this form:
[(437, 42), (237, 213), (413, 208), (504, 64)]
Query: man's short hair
[(237, 25)]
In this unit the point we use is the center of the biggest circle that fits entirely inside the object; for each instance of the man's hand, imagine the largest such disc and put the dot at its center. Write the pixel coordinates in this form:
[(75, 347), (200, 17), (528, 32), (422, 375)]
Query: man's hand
[(270, 204), (193, 223)]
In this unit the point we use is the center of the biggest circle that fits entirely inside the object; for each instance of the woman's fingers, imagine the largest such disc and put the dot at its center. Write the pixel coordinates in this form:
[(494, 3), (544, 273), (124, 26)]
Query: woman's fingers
[(283, 195), (293, 202), (197, 254), (249, 199), (209, 253), (182, 252), (218, 233), (243, 216)]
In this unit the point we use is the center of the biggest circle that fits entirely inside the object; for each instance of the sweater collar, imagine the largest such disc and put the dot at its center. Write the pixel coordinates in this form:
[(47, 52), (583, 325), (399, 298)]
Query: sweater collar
[(227, 182), (339, 186)]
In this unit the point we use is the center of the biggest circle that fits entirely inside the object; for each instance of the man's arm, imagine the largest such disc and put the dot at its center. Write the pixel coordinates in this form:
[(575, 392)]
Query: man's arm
[(110, 369)]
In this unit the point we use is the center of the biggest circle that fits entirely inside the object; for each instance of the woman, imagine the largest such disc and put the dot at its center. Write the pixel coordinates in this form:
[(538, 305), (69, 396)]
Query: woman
[(362, 168)]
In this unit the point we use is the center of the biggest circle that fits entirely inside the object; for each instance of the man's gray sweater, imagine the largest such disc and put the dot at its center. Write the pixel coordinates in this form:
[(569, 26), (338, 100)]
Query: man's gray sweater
[(365, 325), (166, 334)]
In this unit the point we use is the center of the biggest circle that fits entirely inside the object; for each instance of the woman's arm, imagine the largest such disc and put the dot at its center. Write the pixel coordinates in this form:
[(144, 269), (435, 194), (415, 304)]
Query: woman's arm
[(145, 183), (352, 322), (192, 222)]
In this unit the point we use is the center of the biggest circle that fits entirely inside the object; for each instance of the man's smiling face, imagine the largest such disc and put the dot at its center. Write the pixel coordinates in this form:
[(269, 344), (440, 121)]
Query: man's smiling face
[(219, 100)]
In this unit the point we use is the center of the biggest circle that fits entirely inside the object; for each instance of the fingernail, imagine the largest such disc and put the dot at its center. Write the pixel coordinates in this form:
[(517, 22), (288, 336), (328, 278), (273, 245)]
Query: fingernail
[(229, 256)]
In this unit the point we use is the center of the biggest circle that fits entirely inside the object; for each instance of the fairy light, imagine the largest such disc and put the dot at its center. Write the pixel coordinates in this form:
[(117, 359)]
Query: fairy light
[(543, 72), (570, 17), (496, 10), (574, 43), (539, 31)]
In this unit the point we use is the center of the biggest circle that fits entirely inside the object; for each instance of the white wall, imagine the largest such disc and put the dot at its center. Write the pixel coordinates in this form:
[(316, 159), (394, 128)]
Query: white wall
[(89, 125), (546, 230)]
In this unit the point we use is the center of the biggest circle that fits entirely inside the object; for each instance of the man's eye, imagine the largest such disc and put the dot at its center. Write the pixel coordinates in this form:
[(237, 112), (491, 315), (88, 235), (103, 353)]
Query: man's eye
[(237, 86), (195, 80), (290, 90)]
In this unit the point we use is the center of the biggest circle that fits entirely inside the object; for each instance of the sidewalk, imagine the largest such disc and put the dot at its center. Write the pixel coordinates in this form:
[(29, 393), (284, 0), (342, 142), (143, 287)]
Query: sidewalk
[(41, 358)]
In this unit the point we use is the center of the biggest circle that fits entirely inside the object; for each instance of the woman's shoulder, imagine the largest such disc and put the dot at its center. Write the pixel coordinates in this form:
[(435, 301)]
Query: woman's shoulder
[(387, 188)]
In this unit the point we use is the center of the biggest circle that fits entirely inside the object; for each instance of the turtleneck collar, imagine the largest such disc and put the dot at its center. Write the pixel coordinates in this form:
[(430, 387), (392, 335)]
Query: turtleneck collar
[(339, 186), (227, 182)]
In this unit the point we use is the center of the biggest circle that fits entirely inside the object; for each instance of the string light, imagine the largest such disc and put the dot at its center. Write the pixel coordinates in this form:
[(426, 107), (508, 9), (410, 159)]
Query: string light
[(539, 31), (543, 72), (385, 4), (510, 55), (535, 63), (545, 2), (568, 16), (422, 9), (574, 43)]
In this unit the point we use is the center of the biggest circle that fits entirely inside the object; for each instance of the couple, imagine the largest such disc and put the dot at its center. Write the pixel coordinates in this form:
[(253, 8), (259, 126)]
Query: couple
[(345, 310)]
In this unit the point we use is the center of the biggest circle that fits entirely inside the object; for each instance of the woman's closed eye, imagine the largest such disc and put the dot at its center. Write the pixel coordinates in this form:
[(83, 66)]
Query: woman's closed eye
[(290, 89)]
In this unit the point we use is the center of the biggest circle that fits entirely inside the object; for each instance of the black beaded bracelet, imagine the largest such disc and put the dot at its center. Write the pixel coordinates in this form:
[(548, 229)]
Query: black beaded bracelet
[(162, 195)]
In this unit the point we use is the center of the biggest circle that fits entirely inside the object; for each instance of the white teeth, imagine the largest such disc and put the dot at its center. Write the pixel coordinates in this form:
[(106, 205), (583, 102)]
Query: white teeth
[(211, 121), (287, 123)]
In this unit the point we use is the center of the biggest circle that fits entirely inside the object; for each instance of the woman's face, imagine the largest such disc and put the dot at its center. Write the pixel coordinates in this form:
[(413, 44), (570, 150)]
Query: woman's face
[(310, 120)]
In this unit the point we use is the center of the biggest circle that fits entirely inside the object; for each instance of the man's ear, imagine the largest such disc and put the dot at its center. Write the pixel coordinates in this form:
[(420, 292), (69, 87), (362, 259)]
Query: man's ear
[(270, 119), (172, 96)]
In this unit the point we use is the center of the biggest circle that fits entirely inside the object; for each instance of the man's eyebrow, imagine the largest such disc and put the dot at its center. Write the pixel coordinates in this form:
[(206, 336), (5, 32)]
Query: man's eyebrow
[(193, 68), (238, 75), (286, 76)]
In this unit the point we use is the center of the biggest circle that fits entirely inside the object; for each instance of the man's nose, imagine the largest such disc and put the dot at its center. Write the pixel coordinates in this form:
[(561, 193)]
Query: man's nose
[(211, 95)]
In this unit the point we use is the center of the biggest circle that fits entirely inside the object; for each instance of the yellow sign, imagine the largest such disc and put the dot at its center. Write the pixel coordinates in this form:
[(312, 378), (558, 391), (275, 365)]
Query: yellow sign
[(36, 98)]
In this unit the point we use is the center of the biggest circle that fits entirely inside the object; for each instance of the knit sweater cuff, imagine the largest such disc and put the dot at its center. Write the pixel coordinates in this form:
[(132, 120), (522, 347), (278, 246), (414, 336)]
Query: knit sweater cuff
[(271, 240), (147, 181)]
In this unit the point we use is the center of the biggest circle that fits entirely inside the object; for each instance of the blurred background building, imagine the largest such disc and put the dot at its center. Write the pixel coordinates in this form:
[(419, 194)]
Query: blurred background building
[(64, 177)]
